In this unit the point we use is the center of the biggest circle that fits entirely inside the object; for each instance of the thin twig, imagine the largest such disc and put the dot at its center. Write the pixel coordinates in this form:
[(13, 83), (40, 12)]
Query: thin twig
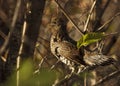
[(86, 69), (112, 34), (68, 17), (40, 65), (41, 38), (64, 80), (45, 59), (18, 72), (2, 35), (85, 79), (44, 45), (110, 76), (12, 26), (20, 52), (110, 20), (53, 66), (88, 18), (101, 14)]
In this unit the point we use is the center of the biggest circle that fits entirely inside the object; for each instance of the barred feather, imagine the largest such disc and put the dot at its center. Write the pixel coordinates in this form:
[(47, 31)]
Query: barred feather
[(98, 60)]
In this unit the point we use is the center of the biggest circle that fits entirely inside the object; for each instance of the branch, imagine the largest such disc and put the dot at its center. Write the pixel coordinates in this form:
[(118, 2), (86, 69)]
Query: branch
[(72, 78), (88, 19), (40, 65), (110, 20), (68, 17), (12, 26), (72, 75), (2, 35), (110, 76), (43, 57), (96, 25)]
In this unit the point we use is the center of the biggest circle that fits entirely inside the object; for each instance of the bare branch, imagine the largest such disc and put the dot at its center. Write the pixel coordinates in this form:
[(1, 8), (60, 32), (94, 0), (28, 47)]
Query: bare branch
[(68, 17), (43, 57), (97, 24), (18, 72), (40, 65), (12, 26), (110, 20), (88, 19), (73, 77), (110, 76), (2, 34)]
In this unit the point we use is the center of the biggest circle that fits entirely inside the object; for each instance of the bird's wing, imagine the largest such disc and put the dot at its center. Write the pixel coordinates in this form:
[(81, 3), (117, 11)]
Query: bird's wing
[(69, 51)]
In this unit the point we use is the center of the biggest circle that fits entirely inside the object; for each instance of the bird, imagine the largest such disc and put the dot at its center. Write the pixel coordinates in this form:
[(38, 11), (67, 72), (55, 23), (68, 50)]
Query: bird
[(65, 49)]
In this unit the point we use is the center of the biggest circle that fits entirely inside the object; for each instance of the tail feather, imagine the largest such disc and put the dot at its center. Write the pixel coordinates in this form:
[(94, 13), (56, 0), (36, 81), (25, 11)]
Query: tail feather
[(98, 60)]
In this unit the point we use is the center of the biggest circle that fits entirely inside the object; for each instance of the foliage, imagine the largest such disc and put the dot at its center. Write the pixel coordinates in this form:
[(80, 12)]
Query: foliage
[(90, 38)]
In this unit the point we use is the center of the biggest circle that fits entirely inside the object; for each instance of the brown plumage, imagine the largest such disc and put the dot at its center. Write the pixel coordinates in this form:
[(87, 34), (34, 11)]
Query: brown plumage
[(98, 59), (64, 48)]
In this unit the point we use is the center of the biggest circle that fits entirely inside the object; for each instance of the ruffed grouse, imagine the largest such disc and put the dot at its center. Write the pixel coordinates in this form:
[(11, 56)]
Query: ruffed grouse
[(64, 48)]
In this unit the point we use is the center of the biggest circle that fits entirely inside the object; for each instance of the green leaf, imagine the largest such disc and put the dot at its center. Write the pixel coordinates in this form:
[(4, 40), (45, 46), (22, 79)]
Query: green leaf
[(79, 43), (90, 38)]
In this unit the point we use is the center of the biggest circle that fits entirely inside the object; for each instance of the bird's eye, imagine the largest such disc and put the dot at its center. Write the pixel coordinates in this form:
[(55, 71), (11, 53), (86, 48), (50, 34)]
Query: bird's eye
[(55, 40), (56, 51)]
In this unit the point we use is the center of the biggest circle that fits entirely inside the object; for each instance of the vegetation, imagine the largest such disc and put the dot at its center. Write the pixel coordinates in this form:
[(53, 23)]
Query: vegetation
[(25, 30)]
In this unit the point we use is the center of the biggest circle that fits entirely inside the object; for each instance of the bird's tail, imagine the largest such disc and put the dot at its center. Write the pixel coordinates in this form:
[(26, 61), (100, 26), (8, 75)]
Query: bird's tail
[(100, 60)]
